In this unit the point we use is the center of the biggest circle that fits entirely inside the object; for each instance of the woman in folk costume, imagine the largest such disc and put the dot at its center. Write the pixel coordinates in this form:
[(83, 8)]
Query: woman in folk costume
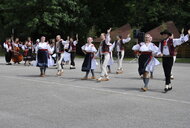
[(167, 48), (152, 64), (89, 63), (28, 50), (147, 49), (104, 54), (43, 50), (118, 46)]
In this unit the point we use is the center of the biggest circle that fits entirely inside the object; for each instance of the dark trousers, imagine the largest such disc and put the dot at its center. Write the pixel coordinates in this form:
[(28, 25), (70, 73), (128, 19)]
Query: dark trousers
[(167, 63), (8, 56), (73, 58)]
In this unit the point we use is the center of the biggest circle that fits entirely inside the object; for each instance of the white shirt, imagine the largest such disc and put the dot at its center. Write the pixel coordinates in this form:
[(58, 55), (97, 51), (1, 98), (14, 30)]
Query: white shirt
[(58, 45), (176, 42), (74, 43), (89, 48), (107, 41), (5, 45), (118, 46), (52, 49)]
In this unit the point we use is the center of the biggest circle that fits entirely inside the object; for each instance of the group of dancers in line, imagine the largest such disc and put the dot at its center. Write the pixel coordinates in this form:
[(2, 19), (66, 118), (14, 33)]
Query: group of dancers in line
[(147, 51), (59, 51), (17, 51)]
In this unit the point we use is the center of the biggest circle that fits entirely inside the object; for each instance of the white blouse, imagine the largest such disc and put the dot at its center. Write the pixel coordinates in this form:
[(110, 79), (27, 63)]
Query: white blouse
[(144, 47), (44, 45), (89, 48)]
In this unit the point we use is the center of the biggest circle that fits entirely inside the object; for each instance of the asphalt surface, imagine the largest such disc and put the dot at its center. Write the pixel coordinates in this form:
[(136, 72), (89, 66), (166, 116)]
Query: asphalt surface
[(29, 101)]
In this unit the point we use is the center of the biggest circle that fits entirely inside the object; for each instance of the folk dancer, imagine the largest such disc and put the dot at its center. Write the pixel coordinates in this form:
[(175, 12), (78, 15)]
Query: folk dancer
[(119, 47), (59, 54), (167, 48), (66, 54), (43, 50), (28, 51), (104, 54), (72, 50), (89, 63), (8, 51), (147, 50)]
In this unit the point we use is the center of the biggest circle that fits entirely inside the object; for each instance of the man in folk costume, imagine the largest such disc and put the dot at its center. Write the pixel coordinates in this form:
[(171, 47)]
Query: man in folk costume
[(89, 63), (119, 47), (146, 61), (8, 50), (59, 51), (72, 50), (104, 53), (167, 48)]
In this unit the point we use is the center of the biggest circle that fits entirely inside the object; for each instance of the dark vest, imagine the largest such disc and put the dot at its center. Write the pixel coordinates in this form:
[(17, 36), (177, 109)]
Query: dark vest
[(121, 44), (105, 47), (170, 46), (61, 47), (72, 46)]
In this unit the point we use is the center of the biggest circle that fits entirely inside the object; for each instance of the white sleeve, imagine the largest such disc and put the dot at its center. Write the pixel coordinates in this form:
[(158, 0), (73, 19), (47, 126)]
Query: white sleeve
[(20, 45), (98, 53), (112, 47), (36, 48), (126, 40), (49, 49), (83, 47), (64, 42), (155, 50), (94, 49), (186, 38), (5, 46), (52, 49), (136, 47), (75, 42), (108, 39), (178, 41), (23, 47)]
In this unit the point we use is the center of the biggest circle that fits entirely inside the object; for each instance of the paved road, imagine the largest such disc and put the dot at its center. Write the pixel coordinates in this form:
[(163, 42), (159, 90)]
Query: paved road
[(28, 101)]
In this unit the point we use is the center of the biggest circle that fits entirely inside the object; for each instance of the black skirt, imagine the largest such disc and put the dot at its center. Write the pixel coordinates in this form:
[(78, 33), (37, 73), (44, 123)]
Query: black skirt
[(86, 66), (144, 60), (42, 58), (28, 56)]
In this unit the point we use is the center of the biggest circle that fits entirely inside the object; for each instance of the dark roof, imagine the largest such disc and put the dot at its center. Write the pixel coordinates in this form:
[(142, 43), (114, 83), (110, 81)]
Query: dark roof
[(123, 31), (170, 26)]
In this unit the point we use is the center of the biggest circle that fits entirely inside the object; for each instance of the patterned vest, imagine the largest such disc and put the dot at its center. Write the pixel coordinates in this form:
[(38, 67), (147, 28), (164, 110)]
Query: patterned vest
[(170, 45), (105, 47)]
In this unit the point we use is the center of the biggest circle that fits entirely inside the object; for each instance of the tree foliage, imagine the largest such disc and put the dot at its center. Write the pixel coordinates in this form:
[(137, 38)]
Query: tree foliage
[(68, 17)]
